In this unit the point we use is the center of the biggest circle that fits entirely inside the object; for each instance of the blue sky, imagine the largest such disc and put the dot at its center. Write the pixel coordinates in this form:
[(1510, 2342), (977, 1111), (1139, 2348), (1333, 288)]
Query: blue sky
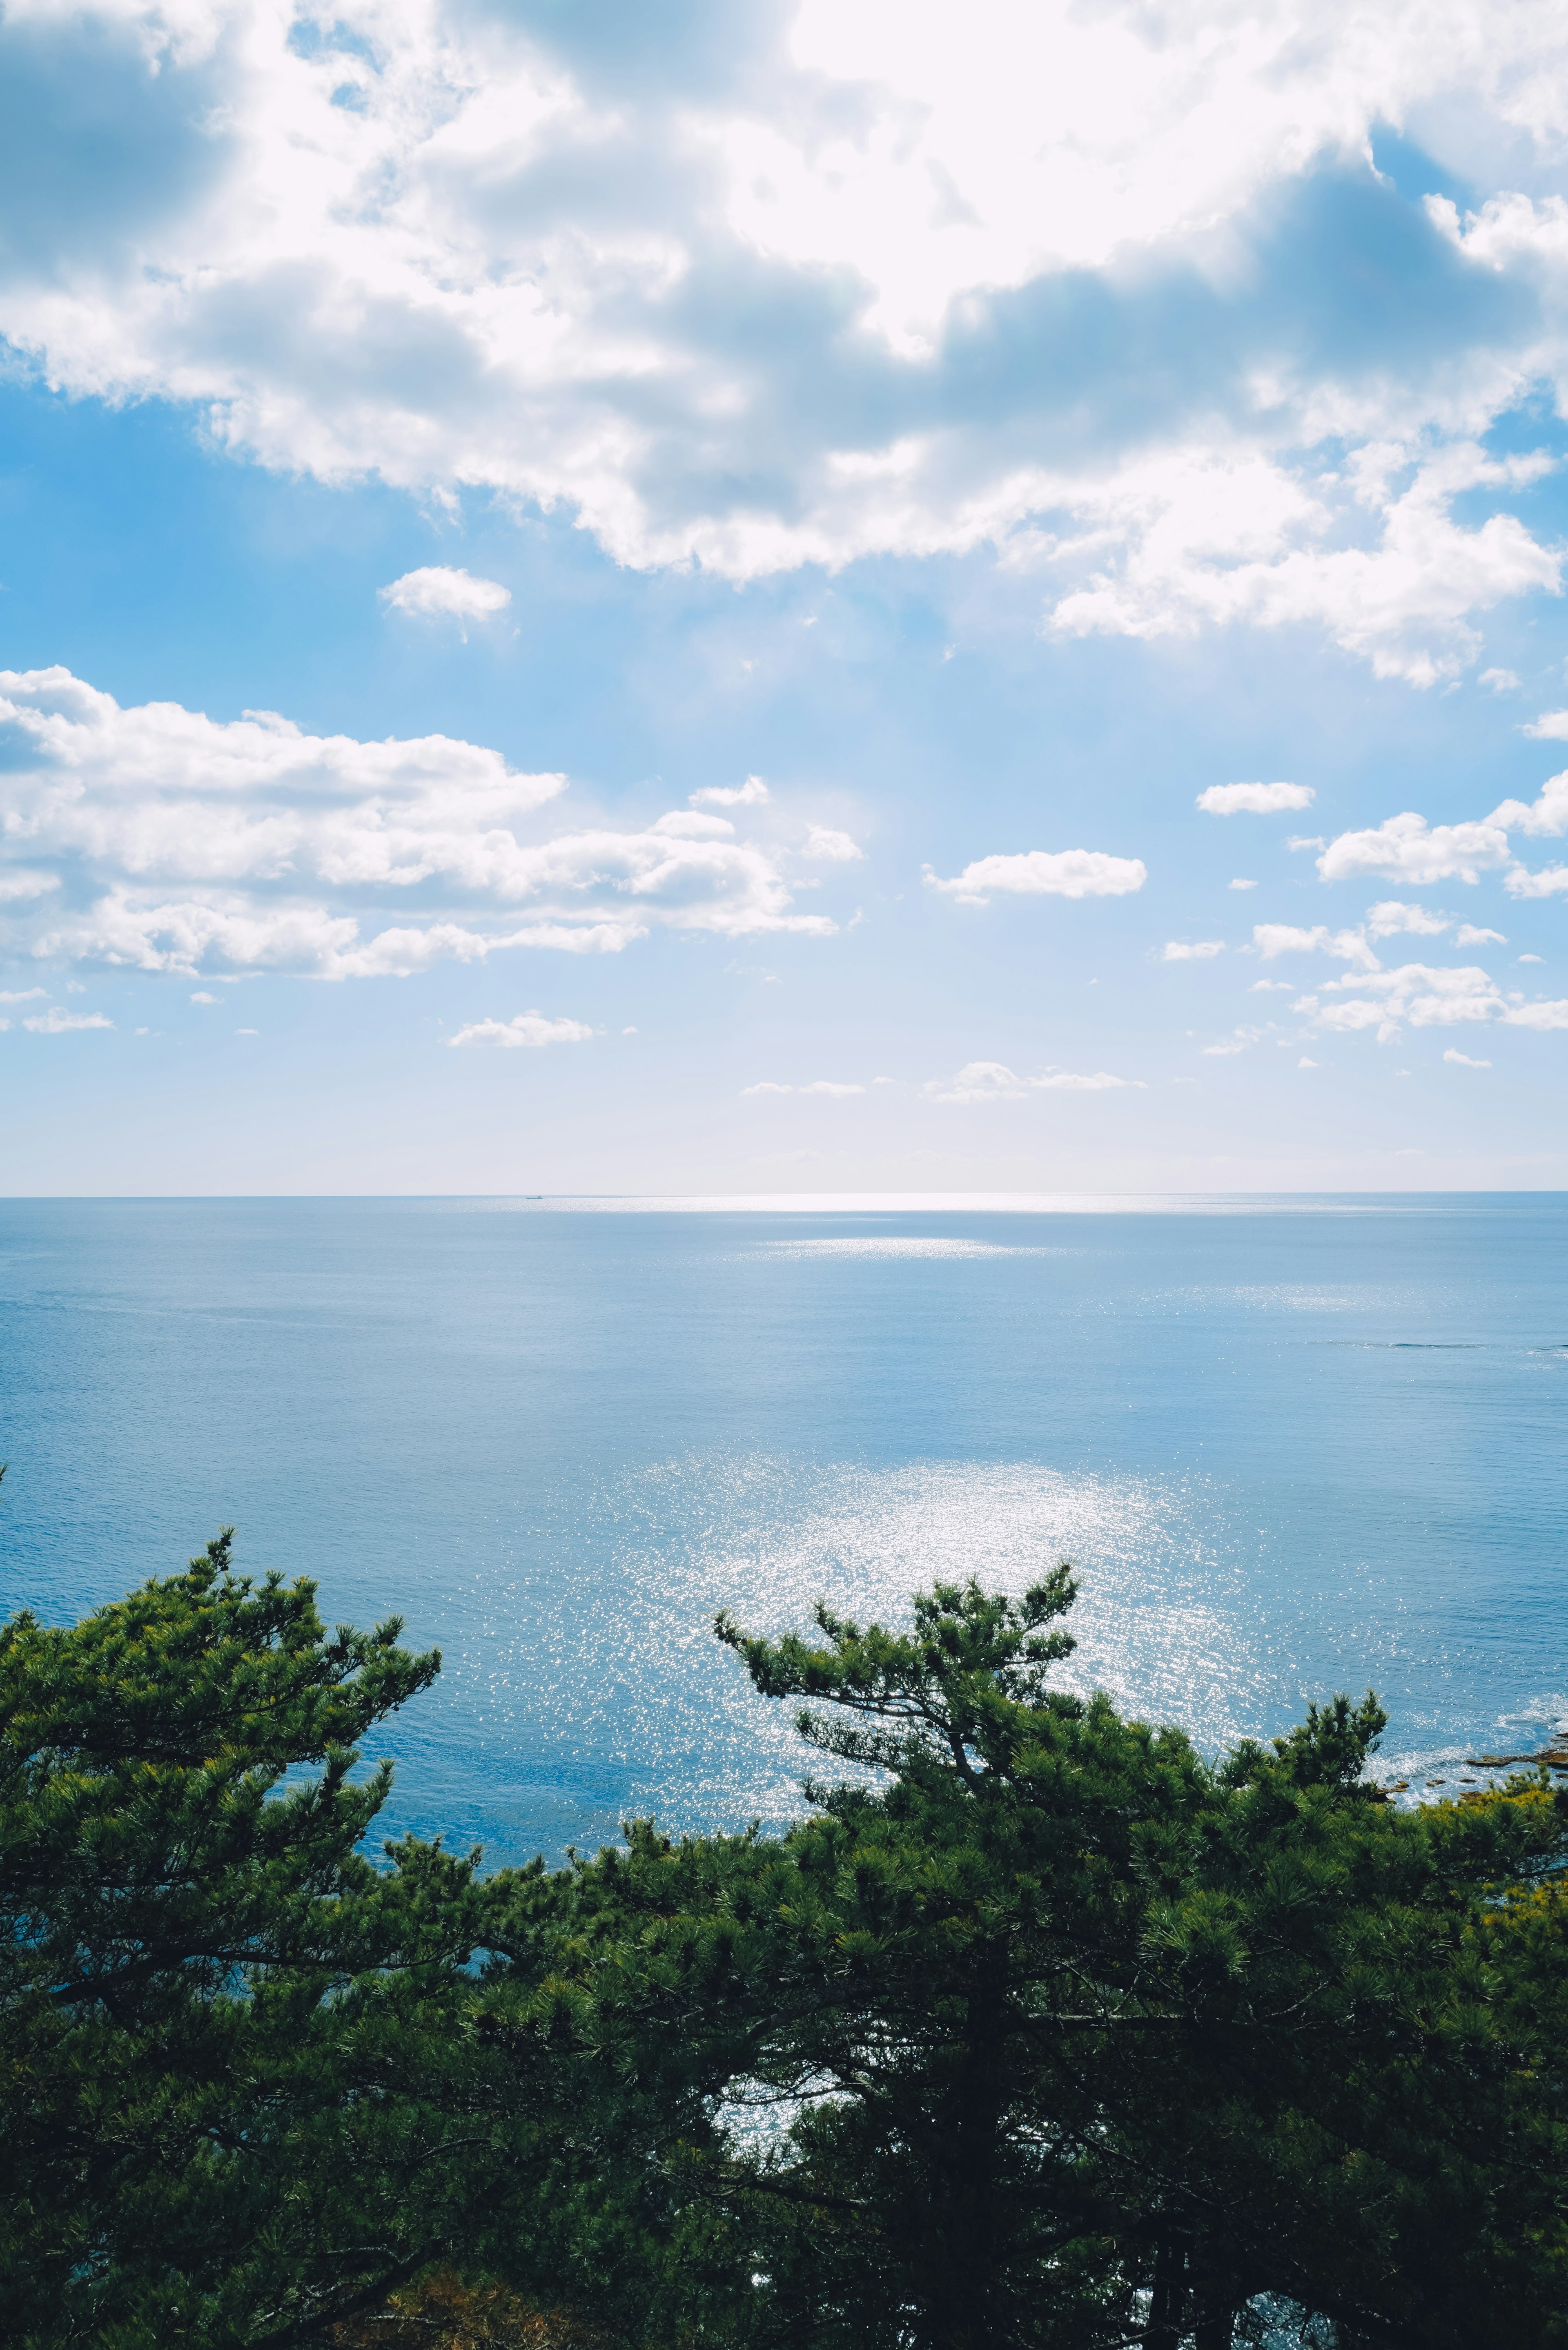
[(755, 545)]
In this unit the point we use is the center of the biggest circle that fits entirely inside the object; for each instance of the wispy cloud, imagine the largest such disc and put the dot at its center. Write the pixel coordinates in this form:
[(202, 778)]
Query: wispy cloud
[(986, 1081)]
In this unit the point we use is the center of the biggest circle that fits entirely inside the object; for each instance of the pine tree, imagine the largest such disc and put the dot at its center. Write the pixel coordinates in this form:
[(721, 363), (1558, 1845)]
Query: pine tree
[(1042, 2029), (236, 2098)]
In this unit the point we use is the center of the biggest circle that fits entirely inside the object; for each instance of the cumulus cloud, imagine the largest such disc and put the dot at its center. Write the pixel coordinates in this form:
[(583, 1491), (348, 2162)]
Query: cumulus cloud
[(1395, 915), (1424, 997), (1401, 602), (751, 793), (824, 847), (529, 1030), (1551, 726), (1549, 881), (1061, 873), (1236, 1042), (19, 884), (1240, 884), (1254, 799), (1193, 951), (22, 994), (437, 592), (801, 282), (1469, 935), (1546, 814), (1463, 1060), (195, 846), (1502, 680), (1271, 939), (1407, 848)]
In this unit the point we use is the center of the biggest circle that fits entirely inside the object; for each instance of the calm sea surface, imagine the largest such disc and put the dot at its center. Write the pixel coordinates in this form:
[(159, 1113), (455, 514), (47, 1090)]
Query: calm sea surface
[(1292, 1447)]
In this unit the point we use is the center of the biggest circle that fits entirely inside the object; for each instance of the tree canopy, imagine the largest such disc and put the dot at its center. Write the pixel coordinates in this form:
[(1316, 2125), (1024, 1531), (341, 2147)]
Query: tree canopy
[(1039, 2028)]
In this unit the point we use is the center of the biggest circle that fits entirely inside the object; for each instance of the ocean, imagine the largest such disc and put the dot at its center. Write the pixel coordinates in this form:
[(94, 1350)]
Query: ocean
[(1291, 1445)]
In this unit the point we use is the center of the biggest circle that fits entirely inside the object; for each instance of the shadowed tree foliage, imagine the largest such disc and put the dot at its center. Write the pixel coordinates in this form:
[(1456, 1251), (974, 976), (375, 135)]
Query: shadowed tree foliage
[(1058, 2034), (237, 2093), (1038, 2032)]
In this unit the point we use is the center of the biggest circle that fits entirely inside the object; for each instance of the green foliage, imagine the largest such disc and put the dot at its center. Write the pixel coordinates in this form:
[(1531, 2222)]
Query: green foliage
[(1060, 2035), (232, 2072), (1038, 2032)]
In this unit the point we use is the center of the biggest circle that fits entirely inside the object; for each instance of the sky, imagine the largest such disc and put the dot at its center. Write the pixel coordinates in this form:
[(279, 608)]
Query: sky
[(760, 597)]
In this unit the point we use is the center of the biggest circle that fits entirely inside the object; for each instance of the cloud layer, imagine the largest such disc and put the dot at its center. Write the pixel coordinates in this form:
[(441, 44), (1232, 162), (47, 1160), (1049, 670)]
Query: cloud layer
[(168, 841), (1118, 291)]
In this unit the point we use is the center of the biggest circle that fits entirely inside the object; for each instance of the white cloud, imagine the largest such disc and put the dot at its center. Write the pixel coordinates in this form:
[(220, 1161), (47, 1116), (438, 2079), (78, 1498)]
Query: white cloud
[(980, 1081), (1415, 993), (1270, 987), (56, 1022), (201, 996), (1305, 840), (826, 1085), (1220, 542), (528, 1029), (1254, 799), (1271, 939), (823, 847), (1240, 884), (1236, 1042), (1407, 848), (193, 845), (1424, 997), (751, 793), (1550, 881), (22, 994), (1468, 935), (805, 283), (1524, 958), (437, 592), (1392, 916), (1502, 680), (1551, 726), (766, 1088), (1463, 1060), (1061, 873), (1305, 1064), (17, 886), (239, 1031), (1196, 950), (1547, 815)]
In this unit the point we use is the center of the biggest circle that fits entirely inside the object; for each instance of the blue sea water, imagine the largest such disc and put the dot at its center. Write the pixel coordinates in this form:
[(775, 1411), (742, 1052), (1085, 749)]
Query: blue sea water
[(1292, 1446)]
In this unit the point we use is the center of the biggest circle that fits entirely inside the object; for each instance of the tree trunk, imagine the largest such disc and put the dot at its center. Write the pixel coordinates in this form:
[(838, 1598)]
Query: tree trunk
[(963, 2246), (1163, 2331), (1216, 2324)]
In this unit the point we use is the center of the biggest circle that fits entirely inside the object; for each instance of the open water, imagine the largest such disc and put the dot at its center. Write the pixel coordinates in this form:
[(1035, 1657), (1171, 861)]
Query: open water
[(1292, 1446)]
